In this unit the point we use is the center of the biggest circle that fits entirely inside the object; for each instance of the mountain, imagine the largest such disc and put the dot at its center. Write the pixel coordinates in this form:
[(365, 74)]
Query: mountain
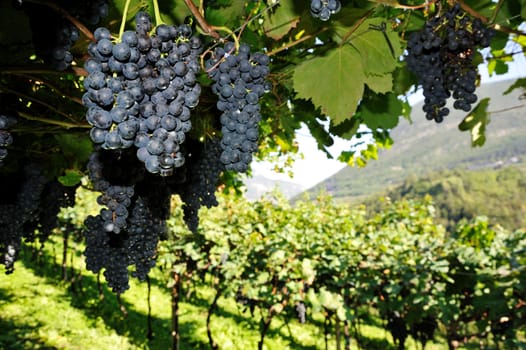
[(422, 146), (258, 185)]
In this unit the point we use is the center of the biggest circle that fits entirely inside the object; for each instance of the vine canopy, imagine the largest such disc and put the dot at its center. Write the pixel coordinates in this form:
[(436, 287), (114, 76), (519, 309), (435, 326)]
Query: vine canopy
[(346, 76)]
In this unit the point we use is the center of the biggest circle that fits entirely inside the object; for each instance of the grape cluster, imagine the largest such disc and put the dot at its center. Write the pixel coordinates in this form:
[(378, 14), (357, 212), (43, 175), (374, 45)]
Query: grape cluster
[(20, 196), (201, 183), (441, 55), (91, 11), (239, 83), (125, 233), (6, 139), (54, 35), (139, 92), (323, 9), (106, 251), (115, 252), (143, 238), (54, 197), (117, 198)]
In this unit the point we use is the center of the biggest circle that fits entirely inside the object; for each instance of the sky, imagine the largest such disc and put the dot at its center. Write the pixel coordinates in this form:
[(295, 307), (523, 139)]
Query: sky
[(316, 167)]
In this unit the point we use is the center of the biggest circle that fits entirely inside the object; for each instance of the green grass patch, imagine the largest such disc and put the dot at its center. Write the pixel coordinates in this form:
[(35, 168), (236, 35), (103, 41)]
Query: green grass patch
[(41, 311)]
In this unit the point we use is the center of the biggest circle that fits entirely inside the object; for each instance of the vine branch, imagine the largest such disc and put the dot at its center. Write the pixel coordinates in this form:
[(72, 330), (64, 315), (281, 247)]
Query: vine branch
[(36, 100), (496, 12), (396, 4), (63, 124), (65, 13), (40, 69), (207, 28), (296, 42), (51, 86), (485, 20)]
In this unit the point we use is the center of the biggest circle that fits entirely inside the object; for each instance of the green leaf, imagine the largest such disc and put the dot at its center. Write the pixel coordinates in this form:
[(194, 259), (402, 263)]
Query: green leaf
[(227, 13), (379, 46), (382, 111), (348, 128), (307, 270), (519, 84), (497, 67), (380, 83), (76, 147), (71, 177), (280, 21), (335, 83), (476, 122)]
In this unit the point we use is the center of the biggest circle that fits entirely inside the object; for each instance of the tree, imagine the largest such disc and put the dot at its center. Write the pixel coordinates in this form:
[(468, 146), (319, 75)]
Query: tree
[(347, 65)]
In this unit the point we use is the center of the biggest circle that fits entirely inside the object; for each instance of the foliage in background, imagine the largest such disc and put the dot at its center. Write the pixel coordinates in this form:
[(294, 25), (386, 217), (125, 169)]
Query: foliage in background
[(344, 263)]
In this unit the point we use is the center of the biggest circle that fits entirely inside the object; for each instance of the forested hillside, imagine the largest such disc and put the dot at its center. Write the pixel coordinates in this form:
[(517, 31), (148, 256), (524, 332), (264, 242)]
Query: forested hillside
[(421, 147), (498, 194)]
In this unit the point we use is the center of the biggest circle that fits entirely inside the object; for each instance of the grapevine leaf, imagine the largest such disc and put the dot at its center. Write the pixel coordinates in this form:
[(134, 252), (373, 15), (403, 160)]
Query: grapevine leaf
[(74, 146), (520, 83), (308, 271), (280, 21), (382, 111), (379, 46), (348, 128), (340, 71), (360, 157), (226, 12), (71, 177), (380, 83), (476, 122)]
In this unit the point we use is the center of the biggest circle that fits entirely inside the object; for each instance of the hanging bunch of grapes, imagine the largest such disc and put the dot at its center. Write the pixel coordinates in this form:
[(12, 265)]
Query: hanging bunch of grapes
[(441, 56)]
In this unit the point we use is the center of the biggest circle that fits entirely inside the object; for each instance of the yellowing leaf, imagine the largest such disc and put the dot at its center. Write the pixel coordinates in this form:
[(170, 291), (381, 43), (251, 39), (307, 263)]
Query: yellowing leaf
[(476, 122), (335, 82)]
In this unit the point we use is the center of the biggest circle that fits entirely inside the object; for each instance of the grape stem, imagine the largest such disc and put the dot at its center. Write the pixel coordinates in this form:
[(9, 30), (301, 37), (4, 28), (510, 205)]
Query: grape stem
[(124, 17), (207, 28), (53, 121), (65, 13), (231, 33), (158, 19)]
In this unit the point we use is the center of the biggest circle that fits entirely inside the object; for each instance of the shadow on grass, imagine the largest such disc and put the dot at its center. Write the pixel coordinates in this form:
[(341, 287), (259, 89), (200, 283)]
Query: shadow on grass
[(84, 296), (20, 336)]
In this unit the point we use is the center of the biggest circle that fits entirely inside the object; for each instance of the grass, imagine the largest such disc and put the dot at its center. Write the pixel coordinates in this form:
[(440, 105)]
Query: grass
[(40, 311)]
